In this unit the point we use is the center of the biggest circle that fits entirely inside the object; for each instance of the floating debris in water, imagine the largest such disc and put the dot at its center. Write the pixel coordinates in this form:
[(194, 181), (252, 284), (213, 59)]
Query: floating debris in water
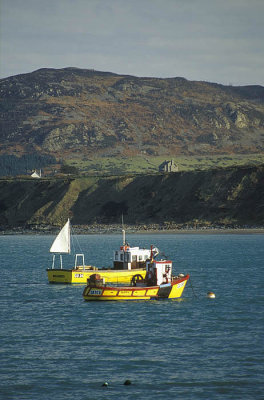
[(127, 382), (105, 384), (211, 295)]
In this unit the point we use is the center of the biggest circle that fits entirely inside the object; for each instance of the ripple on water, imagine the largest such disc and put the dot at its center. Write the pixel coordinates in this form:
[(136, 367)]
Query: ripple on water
[(53, 344)]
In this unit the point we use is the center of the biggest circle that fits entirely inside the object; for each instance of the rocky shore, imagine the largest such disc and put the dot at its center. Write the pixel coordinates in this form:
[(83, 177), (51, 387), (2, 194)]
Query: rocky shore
[(144, 228)]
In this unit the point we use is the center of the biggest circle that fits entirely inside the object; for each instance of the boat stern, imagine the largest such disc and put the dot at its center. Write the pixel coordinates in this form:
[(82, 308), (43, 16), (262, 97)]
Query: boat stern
[(59, 275)]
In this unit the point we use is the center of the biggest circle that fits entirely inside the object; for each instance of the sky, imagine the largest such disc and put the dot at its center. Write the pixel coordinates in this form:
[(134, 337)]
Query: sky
[(218, 41)]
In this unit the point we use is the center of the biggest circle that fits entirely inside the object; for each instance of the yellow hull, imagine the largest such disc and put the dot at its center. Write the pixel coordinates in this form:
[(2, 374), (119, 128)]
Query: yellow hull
[(107, 293), (81, 276), (125, 293), (177, 289)]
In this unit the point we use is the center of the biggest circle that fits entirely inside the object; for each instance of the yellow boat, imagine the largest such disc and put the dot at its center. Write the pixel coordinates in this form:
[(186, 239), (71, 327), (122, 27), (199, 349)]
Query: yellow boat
[(158, 284), (81, 274), (128, 262)]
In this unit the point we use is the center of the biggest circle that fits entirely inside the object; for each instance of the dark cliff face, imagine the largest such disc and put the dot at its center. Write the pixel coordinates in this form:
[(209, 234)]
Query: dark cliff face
[(73, 111), (226, 197)]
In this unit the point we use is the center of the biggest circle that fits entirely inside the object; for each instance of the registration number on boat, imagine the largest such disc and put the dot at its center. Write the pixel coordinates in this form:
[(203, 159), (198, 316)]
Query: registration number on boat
[(180, 284), (78, 275), (95, 292)]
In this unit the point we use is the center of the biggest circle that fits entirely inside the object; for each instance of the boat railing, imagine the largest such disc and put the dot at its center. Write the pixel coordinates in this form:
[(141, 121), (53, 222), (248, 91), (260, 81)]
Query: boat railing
[(76, 261)]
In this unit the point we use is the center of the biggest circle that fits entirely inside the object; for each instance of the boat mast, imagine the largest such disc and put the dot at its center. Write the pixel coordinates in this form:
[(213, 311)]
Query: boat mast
[(124, 236), (124, 240), (123, 232)]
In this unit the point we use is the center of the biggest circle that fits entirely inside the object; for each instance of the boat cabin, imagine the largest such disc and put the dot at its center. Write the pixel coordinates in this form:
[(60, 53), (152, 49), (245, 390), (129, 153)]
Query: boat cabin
[(158, 272), (131, 257)]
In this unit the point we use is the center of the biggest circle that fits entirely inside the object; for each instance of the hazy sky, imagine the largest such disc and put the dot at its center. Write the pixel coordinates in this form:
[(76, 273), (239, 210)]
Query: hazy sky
[(212, 40)]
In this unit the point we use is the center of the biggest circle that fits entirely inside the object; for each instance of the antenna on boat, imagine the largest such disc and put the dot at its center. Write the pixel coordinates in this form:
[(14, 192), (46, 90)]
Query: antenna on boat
[(123, 231)]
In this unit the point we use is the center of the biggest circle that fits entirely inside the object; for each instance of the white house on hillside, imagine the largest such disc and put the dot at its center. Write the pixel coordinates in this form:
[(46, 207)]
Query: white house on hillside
[(36, 175)]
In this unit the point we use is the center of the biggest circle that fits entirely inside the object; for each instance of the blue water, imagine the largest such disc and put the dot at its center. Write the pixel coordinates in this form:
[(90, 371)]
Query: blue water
[(54, 345)]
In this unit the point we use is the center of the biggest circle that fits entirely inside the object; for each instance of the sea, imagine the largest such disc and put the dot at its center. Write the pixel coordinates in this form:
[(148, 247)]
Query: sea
[(55, 345)]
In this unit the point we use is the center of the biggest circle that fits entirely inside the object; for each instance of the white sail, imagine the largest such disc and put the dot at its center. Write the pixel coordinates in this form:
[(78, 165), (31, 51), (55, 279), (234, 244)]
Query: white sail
[(62, 242)]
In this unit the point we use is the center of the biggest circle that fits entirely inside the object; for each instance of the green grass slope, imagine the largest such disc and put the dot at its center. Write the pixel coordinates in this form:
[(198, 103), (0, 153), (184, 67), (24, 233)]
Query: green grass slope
[(226, 197)]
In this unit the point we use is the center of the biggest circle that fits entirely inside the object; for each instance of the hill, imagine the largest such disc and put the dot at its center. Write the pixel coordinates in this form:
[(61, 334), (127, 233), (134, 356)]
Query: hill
[(79, 115), (221, 197)]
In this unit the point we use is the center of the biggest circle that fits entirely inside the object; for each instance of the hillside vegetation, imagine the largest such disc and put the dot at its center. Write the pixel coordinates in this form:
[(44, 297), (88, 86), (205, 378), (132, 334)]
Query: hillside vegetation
[(220, 197), (79, 116)]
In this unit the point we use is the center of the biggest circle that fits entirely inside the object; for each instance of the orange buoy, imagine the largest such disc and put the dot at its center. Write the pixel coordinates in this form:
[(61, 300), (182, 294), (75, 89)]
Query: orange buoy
[(211, 295)]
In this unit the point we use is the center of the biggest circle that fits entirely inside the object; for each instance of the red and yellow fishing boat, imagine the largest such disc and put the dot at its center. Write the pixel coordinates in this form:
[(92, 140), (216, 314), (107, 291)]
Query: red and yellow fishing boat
[(157, 284)]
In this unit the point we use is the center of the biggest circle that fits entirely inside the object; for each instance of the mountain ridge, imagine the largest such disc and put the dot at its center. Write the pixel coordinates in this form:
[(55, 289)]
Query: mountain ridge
[(73, 112)]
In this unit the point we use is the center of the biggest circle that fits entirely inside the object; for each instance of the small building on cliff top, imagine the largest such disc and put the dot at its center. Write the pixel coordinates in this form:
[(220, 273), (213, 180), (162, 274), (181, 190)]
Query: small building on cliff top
[(168, 166), (36, 175)]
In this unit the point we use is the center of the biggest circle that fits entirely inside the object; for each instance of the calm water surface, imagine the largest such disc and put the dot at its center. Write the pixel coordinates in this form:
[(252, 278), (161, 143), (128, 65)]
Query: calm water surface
[(56, 346)]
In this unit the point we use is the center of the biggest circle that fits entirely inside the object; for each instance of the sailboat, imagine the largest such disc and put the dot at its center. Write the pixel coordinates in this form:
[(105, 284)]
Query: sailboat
[(62, 243), (127, 262)]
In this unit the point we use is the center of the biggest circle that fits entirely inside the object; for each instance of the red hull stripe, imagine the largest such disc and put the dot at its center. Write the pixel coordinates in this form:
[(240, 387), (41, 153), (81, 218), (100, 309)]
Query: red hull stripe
[(133, 289)]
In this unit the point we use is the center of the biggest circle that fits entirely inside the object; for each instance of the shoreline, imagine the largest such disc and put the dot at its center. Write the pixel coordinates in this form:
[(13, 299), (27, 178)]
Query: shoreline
[(136, 229)]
